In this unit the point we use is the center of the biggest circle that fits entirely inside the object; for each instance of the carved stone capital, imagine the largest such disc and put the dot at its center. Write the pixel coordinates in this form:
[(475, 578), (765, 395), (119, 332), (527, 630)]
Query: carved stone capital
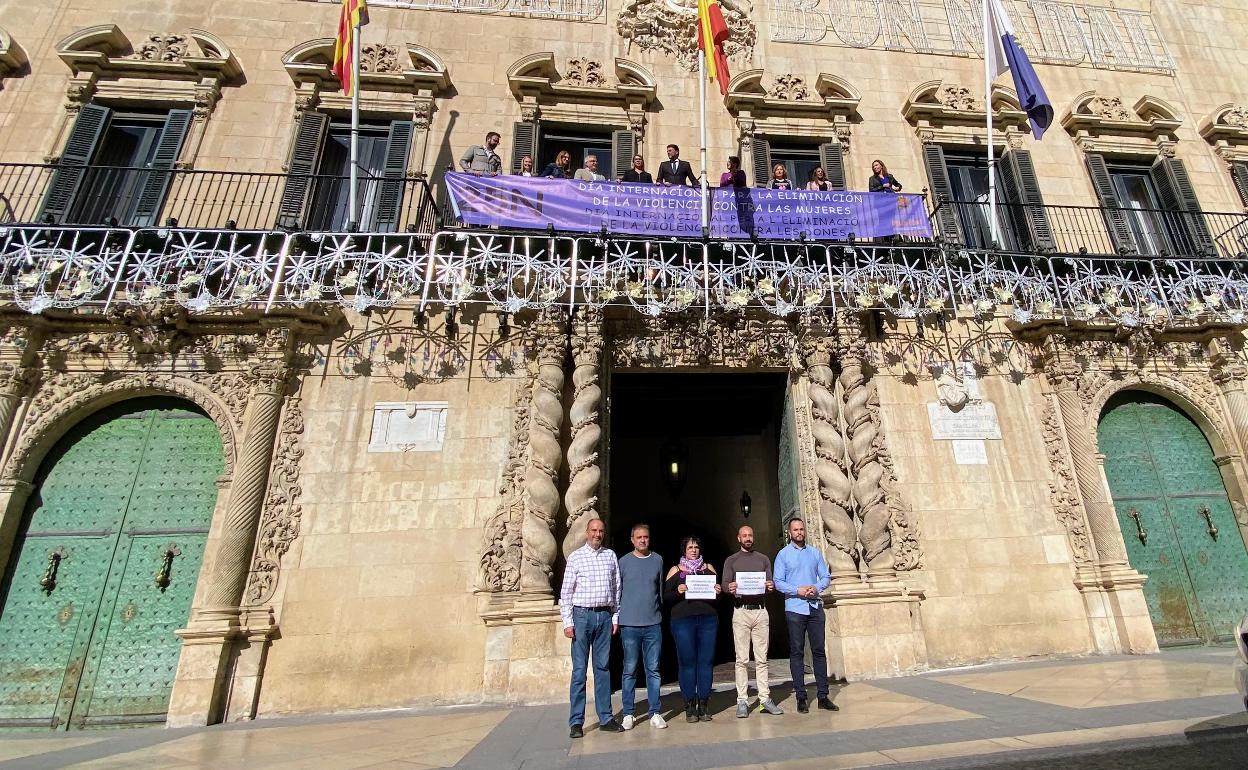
[(551, 337)]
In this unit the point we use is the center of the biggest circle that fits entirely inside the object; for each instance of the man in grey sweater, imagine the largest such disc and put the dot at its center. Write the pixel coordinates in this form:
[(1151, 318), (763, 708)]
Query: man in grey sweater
[(749, 621), (641, 634)]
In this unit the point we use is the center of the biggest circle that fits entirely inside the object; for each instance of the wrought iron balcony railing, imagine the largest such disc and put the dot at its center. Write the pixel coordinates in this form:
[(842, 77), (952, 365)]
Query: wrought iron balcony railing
[(142, 197), (44, 268), (1094, 230)]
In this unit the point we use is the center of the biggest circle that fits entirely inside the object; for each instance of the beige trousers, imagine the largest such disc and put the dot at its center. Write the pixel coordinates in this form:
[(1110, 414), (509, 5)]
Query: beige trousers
[(751, 626)]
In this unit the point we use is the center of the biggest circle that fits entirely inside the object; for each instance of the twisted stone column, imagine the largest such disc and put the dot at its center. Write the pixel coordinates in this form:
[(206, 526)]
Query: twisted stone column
[(1080, 428), (1229, 372), (251, 475), (584, 472), (15, 379), (541, 478), (862, 432), (835, 486)]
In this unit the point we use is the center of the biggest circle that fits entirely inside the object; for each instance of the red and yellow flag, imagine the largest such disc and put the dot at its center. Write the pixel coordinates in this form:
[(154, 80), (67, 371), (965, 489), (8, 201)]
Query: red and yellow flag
[(354, 15), (712, 34)]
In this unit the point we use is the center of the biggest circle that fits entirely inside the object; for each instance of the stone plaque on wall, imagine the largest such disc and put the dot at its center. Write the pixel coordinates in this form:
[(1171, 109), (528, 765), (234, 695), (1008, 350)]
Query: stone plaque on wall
[(972, 421), (408, 426)]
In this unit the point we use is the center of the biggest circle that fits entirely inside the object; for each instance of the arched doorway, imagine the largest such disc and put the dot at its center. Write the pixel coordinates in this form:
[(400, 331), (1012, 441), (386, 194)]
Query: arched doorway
[(1175, 517), (104, 569)]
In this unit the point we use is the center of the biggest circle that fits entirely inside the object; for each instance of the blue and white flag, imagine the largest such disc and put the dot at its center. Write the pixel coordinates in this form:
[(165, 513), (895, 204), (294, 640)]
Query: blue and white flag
[(1004, 53)]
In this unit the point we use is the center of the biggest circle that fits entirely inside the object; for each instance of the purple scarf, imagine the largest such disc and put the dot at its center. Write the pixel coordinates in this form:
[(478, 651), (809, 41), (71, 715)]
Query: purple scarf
[(693, 567)]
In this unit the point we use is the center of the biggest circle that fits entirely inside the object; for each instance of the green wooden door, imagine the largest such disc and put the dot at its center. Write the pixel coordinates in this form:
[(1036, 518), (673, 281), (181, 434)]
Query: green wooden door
[(1175, 517), (105, 569)]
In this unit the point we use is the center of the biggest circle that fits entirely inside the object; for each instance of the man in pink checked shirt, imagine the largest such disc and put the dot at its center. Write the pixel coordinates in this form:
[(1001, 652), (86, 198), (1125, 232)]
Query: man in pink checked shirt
[(589, 604)]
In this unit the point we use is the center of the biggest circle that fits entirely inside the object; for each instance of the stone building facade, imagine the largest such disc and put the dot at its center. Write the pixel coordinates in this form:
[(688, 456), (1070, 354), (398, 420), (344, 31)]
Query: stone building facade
[(404, 467)]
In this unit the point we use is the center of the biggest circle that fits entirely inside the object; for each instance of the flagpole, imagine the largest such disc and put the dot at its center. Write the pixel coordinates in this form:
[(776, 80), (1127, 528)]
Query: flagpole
[(706, 209), (992, 164), (353, 197)]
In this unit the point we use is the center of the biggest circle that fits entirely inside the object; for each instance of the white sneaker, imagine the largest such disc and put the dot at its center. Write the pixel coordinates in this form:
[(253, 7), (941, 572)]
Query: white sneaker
[(628, 722), (658, 722)]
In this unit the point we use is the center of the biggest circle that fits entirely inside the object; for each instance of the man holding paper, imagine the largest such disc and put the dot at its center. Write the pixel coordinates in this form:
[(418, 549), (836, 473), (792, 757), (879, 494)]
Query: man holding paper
[(748, 575)]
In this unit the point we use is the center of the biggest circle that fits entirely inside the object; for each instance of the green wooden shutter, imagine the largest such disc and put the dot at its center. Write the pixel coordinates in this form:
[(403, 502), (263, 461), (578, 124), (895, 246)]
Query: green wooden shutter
[(305, 157), (1174, 186), (832, 156), (1022, 188), (523, 142), (760, 158), (78, 152), (394, 175), (1111, 208), (942, 192), (156, 181), (1239, 175), (623, 148)]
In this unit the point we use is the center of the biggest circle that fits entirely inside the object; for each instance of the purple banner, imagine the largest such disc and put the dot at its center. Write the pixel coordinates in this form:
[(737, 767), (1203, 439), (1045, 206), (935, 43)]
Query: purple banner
[(659, 211)]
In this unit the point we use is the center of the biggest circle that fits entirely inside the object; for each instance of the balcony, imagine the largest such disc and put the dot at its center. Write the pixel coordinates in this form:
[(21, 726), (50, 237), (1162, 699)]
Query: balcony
[(223, 241)]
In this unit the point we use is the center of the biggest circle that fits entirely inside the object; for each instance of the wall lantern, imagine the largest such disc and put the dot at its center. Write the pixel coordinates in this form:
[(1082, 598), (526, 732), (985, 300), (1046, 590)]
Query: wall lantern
[(746, 504), (675, 470)]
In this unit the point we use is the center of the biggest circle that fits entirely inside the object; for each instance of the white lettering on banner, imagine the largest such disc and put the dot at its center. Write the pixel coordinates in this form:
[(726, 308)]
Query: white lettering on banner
[(1052, 32)]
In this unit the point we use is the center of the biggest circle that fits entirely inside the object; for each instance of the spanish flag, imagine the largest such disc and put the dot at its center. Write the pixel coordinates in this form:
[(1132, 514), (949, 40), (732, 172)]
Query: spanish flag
[(712, 33), (354, 15)]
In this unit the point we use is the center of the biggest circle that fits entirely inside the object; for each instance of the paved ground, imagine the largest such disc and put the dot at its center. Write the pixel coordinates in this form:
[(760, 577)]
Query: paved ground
[(1173, 711)]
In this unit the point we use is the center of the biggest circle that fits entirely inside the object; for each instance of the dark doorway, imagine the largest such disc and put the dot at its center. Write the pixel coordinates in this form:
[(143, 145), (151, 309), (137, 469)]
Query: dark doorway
[(725, 430)]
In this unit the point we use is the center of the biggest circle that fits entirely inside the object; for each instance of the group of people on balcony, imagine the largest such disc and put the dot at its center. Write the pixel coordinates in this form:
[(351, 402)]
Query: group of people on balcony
[(482, 160)]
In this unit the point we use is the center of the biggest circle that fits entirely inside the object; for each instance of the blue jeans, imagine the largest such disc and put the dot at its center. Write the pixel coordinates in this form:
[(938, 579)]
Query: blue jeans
[(643, 642), (802, 627), (593, 633), (695, 654)]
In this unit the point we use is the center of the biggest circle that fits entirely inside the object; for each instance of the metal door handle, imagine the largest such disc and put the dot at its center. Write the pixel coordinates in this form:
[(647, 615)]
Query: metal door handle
[(55, 556), (1210, 527), (1140, 532), (162, 578)]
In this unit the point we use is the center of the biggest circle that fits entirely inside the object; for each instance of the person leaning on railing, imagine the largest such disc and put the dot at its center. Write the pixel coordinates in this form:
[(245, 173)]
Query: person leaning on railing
[(734, 176), (780, 178), (481, 159), (526, 166), (560, 168), (819, 180), (638, 172), (881, 180), (589, 173)]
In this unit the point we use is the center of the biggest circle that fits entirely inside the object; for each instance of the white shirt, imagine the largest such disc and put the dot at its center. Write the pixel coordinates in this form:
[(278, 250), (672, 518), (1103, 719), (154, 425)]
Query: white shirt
[(590, 579)]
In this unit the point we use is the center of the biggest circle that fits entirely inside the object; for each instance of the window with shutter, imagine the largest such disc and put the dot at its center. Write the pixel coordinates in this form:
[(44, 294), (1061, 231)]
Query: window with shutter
[(305, 156), (1239, 175), (942, 192), (1188, 229), (1119, 229), (623, 148), (523, 142), (78, 152), (394, 175), (832, 157), (1022, 188), (155, 182), (760, 158)]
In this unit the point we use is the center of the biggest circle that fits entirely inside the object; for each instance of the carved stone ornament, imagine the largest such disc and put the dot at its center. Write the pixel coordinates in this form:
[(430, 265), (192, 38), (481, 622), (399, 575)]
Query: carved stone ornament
[(670, 27), (959, 98), (499, 569), (163, 48), (586, 73), (282, 513), (789, 88), (1109, 108), (584, 469), (694, 340), (1236, 116), (377, 58), (1063, 489)]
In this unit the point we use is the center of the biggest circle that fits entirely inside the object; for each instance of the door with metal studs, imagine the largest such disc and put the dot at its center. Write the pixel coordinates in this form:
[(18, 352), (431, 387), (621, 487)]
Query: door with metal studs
[(1176, 520), (104, 569)]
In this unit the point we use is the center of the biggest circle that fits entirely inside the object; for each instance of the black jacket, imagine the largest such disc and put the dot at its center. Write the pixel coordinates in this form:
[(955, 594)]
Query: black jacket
[(634, 176), (682, 175), (875, 185)]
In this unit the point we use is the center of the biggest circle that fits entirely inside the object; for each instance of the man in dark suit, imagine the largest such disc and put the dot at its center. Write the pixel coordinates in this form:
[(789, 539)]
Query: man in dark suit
[(674, 171)]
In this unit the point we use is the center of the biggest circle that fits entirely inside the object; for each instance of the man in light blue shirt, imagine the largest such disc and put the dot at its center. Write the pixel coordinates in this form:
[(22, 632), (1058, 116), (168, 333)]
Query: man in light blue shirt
[(801, 574)]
